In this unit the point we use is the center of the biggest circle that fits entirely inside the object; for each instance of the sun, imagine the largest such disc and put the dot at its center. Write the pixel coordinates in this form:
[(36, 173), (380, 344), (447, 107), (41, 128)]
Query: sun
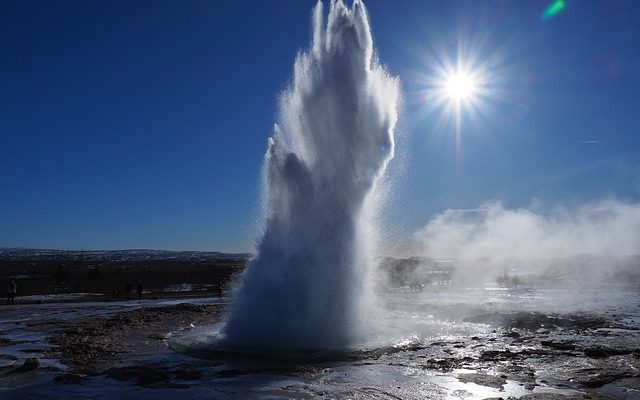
[(460, 86), (460, 91)]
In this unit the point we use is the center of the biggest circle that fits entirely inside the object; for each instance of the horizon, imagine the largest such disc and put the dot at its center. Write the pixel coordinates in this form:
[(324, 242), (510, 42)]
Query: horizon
[(379, 256)]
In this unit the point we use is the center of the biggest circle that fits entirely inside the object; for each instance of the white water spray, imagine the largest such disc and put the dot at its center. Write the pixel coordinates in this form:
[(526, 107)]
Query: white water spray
[(310, 284)]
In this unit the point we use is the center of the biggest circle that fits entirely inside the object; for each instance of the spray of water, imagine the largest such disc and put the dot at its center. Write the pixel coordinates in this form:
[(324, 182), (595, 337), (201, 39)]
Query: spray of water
[(310, 284)]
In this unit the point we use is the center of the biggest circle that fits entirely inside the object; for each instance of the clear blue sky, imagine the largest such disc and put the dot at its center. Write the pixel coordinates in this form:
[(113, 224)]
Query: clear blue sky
[(132, 124)]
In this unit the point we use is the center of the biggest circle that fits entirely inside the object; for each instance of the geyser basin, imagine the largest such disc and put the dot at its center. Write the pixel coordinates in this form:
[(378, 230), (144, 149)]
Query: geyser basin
[(310, 283)]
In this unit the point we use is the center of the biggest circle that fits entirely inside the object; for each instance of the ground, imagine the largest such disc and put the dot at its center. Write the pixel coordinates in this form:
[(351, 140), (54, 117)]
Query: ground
[(111, 349)]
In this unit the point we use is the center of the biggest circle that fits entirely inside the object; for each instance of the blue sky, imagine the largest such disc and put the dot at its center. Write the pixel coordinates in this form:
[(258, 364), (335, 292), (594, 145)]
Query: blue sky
[(143, 125)]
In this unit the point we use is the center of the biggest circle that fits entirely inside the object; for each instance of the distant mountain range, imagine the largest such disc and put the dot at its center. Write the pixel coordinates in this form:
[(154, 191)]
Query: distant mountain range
[(25, 254)]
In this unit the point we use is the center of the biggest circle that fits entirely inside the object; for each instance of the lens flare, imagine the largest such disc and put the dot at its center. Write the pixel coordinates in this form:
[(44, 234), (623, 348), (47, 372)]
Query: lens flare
[(555, 8)]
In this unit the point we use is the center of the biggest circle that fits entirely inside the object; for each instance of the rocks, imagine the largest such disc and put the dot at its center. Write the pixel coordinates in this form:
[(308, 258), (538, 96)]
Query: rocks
[(535, 321), (503, 355), (595, 379), (150, 375), (558, 345), (554, 396), (483, 380), (602, 351), (29, 364), (10, 342), (187, 375), (144, 375), (446, 364), (597, 372), (498, 355), (156, 336), (70, 379), (34, 350)]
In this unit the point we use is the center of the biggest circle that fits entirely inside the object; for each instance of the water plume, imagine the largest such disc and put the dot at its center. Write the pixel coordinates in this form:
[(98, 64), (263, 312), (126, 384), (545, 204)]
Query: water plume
[(309, 285)]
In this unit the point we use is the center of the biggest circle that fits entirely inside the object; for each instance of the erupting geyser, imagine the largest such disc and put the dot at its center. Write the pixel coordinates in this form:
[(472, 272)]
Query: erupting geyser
[(310, 284)]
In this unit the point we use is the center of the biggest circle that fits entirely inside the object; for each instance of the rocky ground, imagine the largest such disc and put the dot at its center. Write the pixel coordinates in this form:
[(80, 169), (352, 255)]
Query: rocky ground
[(92, 346), (578, 351), (582, 355)]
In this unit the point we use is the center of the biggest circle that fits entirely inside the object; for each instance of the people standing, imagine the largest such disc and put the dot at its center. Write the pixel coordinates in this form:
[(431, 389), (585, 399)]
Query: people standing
[(139, 289), (11, 293), (127, 289)]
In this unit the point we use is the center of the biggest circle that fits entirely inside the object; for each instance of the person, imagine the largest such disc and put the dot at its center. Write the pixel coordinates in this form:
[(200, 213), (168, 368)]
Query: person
[(11, 294), (139, 290), (127, 289)]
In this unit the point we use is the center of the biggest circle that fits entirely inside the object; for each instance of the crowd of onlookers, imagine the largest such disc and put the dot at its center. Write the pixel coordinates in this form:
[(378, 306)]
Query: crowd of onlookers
[(128, 287), (12, 290)]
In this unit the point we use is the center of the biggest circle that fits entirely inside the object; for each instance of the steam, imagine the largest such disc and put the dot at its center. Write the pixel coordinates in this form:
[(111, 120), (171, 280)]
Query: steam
[(598, 234), (310, 283)]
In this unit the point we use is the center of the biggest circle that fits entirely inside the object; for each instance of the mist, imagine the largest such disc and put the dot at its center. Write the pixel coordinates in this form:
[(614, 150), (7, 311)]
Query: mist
[(591, 242)]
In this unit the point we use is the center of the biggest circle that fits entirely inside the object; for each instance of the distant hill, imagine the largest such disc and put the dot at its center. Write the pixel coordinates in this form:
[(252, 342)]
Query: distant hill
[(25, 254), (105, 272)]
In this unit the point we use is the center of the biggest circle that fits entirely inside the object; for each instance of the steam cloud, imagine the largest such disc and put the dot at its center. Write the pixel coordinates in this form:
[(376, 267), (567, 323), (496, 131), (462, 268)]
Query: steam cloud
[(606, 231), (310, 283)]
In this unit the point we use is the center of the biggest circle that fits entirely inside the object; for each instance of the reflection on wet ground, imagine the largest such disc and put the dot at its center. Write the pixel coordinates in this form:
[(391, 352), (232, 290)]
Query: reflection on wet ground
[(470, 344)]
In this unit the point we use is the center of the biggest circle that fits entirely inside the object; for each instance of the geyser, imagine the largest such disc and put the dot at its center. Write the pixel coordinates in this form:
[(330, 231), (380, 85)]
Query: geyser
[(309, 285)]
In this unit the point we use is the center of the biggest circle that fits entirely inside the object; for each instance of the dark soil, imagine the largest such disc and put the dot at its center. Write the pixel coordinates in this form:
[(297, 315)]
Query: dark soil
[(92, 345)]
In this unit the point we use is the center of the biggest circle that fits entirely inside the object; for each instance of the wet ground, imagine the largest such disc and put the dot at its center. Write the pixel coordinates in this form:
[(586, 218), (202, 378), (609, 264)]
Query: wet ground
[(467, 344)]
